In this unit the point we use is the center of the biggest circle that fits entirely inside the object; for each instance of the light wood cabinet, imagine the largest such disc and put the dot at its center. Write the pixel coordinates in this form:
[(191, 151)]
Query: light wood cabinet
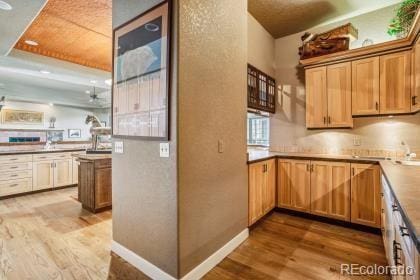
[(395, 83), (328, 96), (365, 86), (316, 97), (293, 184), (365, 195), (330, 189), (339, 95), (415, 94), (75, 173), (43, 175), (63, 172), (262, 189)]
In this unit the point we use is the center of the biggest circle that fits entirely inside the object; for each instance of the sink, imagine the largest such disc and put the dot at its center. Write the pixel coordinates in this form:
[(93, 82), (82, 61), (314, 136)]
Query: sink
[(408, 162), (371, 158)]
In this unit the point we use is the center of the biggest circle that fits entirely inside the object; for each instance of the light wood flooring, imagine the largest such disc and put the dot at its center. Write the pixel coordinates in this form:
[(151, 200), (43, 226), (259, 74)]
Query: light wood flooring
[(48, 236)]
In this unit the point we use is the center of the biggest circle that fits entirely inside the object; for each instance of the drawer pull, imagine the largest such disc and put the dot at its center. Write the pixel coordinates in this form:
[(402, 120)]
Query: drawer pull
[(14, 175), (395, 208), (14, 167), (13, 185), (395, 248), (404, 231)]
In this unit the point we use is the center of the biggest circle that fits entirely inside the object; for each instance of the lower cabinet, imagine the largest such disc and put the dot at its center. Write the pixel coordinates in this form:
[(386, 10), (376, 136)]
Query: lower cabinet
[(76, 164), (294, 179), (365, 195), (43, 175), (330, 189), (63, 172), (262, 189)]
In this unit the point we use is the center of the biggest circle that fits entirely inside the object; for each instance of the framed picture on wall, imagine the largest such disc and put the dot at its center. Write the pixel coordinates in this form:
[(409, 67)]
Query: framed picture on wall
[(141, 75), (75, 133)]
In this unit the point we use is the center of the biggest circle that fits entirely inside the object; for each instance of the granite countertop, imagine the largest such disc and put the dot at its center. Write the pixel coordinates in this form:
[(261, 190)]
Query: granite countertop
[(92, 157), (40, 151), (403, 180)]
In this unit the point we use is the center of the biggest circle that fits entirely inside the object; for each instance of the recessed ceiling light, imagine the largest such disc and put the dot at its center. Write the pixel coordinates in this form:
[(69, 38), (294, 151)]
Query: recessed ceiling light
[(51, 104), (32, 43), (93, 81), (87, 91), (45, 72), (5, 6), (108, 82)]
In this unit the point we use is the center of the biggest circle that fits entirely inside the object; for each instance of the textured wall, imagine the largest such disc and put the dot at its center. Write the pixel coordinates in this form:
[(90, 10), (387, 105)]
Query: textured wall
[(213, 194), (144, 186), (260, 47), (287, 127)]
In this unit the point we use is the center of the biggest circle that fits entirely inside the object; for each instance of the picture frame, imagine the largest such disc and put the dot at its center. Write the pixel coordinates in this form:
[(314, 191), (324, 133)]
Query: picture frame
[(141, 68), (75, 133), (11, 116)]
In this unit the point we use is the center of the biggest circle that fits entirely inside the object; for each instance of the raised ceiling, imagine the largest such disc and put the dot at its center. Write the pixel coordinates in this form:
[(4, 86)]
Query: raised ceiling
[(78, 31), (285, 17)]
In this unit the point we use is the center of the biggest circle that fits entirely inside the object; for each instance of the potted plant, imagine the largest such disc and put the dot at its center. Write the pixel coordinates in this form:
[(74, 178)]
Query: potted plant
[(405, 13)]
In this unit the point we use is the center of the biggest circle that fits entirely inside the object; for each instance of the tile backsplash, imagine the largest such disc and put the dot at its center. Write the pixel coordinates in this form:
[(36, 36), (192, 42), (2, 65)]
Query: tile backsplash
[(5, 135)]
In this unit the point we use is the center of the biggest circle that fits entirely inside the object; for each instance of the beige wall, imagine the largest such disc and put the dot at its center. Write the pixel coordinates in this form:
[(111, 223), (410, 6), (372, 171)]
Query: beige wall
[(287, 126), (144, 194), (213, 196), (260, 47)]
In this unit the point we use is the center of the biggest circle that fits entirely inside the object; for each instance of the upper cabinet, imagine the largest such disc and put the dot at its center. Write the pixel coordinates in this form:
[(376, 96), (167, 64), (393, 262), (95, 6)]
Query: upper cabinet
[(395, 86), (261, 90), (328, 96), (415, 95), (365, 86)]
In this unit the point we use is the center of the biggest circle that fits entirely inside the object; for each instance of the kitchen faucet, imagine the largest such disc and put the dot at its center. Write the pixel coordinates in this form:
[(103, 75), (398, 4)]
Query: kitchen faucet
[(408, 155)]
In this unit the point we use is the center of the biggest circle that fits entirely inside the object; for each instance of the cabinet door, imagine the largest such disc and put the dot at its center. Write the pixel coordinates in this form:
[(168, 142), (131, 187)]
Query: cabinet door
[(269, 186), (365, 86), (415, 94), (75, 172), (256, 181), (284, 183), (63, 170), (339, 95), (103, 187), (43, 175), (365, 195), (320, 188), (301, 185), (340, 190), (316, 97), (395, 83)]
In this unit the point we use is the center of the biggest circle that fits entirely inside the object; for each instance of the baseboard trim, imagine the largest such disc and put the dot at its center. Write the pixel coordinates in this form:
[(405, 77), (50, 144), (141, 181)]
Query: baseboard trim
[(138, 262), (199, 271)]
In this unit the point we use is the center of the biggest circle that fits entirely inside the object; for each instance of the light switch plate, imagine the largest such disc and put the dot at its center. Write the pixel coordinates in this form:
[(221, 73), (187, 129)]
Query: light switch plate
[(220, 146), (118, 147), (164, 150)]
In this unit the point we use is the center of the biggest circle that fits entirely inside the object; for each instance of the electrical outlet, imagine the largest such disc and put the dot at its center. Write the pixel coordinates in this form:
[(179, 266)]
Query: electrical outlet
[(164, 150), (118, 147), (357, 141)]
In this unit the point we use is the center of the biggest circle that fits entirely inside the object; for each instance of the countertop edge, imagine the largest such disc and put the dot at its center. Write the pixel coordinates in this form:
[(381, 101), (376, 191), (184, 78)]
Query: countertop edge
[(11, 153)]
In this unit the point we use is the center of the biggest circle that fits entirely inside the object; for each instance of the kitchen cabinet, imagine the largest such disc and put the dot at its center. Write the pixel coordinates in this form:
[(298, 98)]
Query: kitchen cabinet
[(261, 90), (63, 172), (43, 174), (330, 189), (365, 195), (262, 189), (339, 95), (328, 96), (316, 97), (293, 183), (365, 86), (415, 94), (75, 173), (395, 83)]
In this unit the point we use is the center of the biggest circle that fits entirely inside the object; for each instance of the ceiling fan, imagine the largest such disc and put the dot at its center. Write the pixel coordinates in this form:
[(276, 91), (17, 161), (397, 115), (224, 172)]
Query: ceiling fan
[(94, 97)]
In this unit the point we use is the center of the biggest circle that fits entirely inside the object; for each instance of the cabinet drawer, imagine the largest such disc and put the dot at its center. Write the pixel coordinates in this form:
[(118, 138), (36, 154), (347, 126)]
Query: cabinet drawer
[(52, 156), (15, 167), (15, 159), (19, 174), (406, 240), (15, 186)]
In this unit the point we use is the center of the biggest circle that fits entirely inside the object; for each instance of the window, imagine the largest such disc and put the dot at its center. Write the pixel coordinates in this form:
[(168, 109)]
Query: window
[(258, 129)]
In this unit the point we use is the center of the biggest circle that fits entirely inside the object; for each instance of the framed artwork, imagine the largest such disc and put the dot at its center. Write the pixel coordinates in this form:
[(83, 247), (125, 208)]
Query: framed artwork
[(141, 71), (22, 117), (75, 133)]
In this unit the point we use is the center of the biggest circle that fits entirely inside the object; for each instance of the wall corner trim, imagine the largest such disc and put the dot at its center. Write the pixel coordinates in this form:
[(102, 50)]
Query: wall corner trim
[(199, 271), (138, 262)]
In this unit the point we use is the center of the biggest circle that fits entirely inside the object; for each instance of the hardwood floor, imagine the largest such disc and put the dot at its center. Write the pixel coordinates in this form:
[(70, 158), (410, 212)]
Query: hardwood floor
[(48, 236)]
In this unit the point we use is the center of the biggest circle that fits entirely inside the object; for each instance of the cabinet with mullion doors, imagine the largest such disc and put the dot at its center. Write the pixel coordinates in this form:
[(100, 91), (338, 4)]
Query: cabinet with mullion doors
[(261, 90)]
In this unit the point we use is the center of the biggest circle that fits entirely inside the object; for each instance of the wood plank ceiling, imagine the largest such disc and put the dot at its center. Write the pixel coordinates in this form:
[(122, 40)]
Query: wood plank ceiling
[(77, 31)]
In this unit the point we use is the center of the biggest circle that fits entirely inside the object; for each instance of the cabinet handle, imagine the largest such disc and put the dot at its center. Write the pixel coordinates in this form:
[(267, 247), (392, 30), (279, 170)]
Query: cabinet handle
[(376, 106), (403, 231), (325, 120), (352, 171), (13, 167), (395, 248), (308, 168), (312, 167), (395, 208), (413, 100), (13, 185)]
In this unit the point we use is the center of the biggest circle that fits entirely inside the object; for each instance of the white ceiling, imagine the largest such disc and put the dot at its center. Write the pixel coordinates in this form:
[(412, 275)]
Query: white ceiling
[(21, 79), (13, 23)]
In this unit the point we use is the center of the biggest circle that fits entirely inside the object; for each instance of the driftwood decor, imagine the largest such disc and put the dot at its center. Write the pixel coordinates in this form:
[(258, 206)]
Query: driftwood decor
[(335, 40)]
